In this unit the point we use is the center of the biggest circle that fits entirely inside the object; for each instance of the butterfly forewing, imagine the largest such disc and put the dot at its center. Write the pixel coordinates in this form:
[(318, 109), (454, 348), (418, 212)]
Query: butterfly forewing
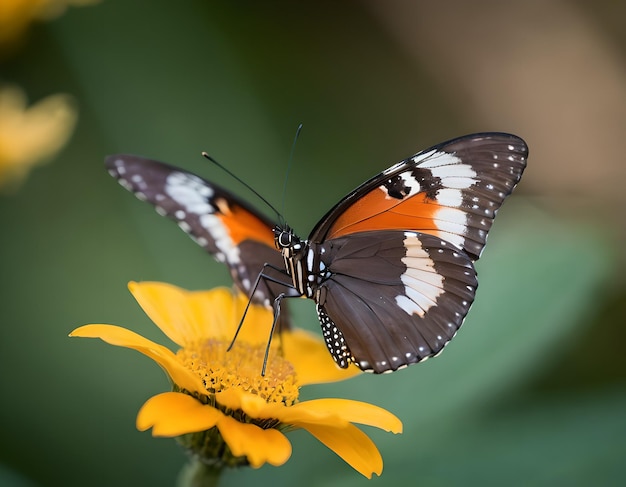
[(452, 191), (223, 224)]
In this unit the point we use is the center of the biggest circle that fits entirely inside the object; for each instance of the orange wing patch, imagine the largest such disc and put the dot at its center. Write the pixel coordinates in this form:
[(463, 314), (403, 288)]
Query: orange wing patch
[(378, 211), (243, 225)]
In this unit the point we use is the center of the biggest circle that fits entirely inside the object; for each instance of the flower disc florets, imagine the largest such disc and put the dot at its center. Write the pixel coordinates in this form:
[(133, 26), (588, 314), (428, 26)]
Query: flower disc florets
[(221, 369)]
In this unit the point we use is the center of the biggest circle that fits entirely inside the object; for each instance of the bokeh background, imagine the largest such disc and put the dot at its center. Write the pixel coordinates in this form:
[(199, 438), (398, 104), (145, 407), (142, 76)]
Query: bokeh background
[(532, 390)]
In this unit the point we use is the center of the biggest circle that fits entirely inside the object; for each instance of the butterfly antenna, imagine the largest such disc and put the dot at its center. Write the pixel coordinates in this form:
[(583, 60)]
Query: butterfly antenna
[(241, 181), (289, 164)]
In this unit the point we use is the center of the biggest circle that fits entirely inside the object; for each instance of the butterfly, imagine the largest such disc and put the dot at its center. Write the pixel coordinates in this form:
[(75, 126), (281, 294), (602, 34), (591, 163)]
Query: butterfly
[(390, 266)]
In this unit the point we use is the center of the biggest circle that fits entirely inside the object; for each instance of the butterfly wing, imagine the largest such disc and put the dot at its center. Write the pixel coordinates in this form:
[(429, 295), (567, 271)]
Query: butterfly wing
[(451, 190), (223, 224), (392, 298), (397, 253)]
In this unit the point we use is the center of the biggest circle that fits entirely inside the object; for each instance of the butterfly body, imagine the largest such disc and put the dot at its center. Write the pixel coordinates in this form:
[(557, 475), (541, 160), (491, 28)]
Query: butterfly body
[(390, 267)]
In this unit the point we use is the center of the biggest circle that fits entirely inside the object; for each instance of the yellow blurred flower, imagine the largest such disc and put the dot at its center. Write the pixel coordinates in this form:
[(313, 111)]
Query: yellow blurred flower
[(31, 135), (17, 15), (221, 408)]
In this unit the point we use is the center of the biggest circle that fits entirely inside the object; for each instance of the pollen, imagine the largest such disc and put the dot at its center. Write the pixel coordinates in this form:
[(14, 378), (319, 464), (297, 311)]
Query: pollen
[(240, 368)]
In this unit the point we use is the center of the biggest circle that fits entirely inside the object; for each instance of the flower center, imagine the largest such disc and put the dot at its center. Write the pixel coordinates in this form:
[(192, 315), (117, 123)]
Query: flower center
[(241, 368)]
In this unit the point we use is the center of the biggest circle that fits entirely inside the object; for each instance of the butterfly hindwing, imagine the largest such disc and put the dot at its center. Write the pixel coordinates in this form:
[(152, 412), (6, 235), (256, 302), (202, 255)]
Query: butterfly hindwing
[(223, 224), (451, 190), (392, 298)]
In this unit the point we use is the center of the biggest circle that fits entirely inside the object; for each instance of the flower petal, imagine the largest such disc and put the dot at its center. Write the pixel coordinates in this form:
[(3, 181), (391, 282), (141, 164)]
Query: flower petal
[(253, 405), (116, 335), (352, 445), (331, 412), (30, 135), (188, 316), (174, 414), (233, 398), (256, 407), (310, 357), (321, 411), (170, 309), (258, 445)]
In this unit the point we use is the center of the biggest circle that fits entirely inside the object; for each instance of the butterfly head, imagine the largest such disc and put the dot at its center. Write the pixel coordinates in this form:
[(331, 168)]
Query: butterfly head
[(287, 242)]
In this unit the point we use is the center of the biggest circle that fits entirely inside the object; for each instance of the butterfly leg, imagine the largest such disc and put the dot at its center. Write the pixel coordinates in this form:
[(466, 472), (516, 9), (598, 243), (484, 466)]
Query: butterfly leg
[(267, 278), (276, 307)]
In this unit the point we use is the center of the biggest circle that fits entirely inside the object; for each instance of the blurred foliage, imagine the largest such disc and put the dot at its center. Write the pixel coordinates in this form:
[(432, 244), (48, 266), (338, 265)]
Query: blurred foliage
[(531, 392)]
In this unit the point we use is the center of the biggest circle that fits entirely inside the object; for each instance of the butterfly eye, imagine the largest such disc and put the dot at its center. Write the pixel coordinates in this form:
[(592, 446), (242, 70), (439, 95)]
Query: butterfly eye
[(281, 238)]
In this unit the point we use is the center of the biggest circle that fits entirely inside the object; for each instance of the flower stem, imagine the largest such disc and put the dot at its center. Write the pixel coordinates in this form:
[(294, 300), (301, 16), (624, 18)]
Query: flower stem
[(198, 474)]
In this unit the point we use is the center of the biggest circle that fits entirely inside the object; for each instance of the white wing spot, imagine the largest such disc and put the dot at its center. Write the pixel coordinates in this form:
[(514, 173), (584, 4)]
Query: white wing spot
[(190, 192), (457, 176), (125, 184), (219, 232), (450, 197), (434, 159), (422, 287), (452, 222), (193, 194)]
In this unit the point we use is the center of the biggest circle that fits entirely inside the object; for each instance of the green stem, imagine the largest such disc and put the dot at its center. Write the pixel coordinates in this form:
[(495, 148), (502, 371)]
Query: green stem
[(198, 474)]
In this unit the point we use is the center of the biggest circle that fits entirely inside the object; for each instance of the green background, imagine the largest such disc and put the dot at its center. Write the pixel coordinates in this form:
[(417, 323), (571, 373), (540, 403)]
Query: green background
[(531, 392)]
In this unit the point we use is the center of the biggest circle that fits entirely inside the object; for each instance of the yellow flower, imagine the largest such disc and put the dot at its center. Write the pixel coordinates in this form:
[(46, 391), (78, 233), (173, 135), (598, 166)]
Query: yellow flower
[(221, 408), (28, 136), (17, 15)]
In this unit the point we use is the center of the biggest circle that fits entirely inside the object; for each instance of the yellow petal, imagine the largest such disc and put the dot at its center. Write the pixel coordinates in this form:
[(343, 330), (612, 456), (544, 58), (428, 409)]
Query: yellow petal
[(311, 359), (258, 445), (232, 398), (170, 308), (31, 135), (174, 414), (352, 445), (332, 412), (116, 335), (253, 405), (188, 316), (322, 411)]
